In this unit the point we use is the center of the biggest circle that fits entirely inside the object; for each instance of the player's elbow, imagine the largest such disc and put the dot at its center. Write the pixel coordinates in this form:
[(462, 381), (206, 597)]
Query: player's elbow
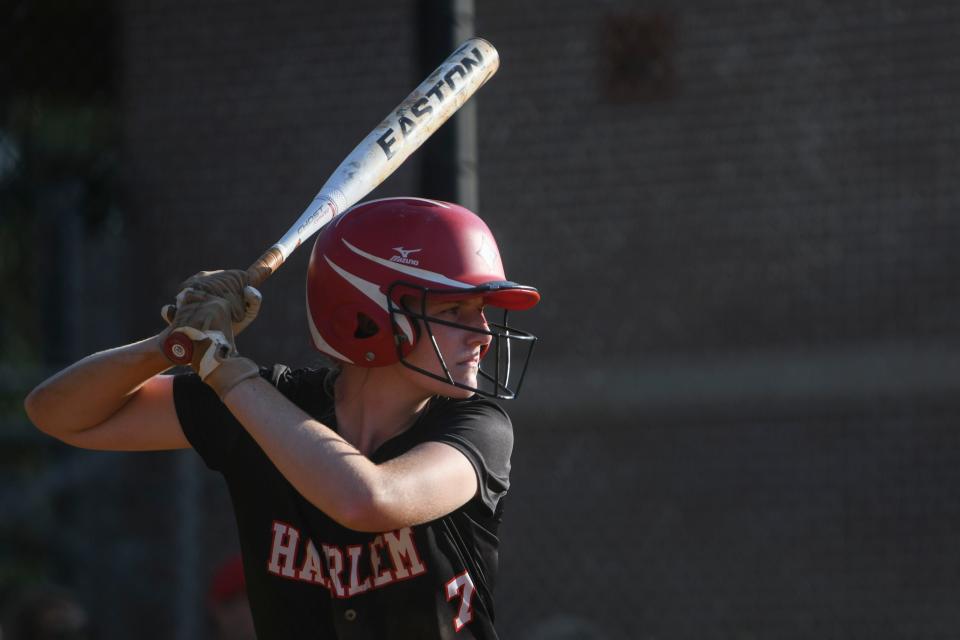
[(35, 405), (42, 408), (369, 510)]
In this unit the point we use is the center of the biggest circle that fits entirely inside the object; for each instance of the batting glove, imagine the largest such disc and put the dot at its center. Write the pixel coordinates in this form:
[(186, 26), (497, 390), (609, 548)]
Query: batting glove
[(231, 285), (208, 320)]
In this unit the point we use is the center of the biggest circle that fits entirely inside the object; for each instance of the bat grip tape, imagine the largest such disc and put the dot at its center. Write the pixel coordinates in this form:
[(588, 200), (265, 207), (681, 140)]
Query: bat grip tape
[(264, 266)]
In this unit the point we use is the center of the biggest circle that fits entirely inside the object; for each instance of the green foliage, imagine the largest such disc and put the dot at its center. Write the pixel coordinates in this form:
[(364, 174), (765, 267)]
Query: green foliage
[(20, 321), (43, 142)]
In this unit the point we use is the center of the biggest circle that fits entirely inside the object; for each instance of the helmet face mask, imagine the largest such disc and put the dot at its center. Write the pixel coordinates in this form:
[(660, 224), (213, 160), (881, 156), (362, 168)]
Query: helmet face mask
[(367, 261), (497, 378)]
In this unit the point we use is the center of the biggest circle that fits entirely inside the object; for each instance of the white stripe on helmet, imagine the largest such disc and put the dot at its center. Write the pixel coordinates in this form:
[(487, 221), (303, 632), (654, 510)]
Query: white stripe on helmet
[(423, 274), (372, 291), (318, 339)]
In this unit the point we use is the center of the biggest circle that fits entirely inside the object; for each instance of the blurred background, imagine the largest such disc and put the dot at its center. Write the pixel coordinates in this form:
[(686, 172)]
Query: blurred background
[(742, 420)]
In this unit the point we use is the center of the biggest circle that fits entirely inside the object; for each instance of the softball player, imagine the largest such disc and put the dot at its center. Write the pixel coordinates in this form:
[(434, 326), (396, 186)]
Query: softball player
[(367, 495)]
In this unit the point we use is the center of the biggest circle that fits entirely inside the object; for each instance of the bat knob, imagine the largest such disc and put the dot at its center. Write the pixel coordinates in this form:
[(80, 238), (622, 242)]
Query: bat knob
[(178, 348)]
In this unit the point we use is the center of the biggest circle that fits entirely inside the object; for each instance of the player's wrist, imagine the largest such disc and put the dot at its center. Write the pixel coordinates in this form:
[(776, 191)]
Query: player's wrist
[(230, 373)]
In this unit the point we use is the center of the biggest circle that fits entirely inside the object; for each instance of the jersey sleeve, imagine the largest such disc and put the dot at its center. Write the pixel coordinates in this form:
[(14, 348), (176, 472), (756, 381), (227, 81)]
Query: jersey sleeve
[(208, 425), (481, 431)]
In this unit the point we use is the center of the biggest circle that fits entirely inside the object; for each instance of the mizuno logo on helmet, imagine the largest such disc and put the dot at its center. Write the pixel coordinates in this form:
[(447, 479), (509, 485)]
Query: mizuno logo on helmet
[(404, 257)]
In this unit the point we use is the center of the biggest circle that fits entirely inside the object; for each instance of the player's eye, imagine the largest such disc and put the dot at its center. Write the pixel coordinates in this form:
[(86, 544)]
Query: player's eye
[(446, 310)]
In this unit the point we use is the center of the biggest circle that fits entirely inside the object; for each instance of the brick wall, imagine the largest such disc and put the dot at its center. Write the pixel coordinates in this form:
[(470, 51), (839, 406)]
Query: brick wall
[(236, 114), (790, 193), (797, 190)]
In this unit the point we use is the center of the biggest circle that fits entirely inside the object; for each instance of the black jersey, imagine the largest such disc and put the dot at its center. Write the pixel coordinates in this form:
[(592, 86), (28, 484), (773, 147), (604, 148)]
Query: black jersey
[(309, 577)]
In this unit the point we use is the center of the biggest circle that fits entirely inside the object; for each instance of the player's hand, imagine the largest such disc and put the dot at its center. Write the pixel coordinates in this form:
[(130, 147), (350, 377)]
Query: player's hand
[(231, 285), (208, 320)]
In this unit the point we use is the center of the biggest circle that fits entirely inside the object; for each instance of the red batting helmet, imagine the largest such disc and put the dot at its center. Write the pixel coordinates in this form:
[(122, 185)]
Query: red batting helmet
[(376, 253)]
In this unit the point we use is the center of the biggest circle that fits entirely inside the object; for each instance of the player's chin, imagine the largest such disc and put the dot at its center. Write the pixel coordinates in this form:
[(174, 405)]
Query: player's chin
[(458, 393), (462, 374), (466, 379)]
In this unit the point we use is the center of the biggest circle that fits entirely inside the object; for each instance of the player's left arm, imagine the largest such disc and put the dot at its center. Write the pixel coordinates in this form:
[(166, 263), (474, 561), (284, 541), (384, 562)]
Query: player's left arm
[(425, 483)]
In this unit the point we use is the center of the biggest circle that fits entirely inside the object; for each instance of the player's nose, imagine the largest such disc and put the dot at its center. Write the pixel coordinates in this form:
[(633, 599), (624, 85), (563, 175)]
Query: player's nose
[(479, 338)]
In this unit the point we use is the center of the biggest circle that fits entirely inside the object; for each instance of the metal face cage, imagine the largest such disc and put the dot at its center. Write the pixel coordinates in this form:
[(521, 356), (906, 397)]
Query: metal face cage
[(496, 375)]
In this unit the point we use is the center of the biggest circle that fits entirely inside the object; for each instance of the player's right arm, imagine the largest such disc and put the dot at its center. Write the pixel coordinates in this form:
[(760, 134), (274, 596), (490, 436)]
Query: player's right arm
[(117, 400), (112, 400)]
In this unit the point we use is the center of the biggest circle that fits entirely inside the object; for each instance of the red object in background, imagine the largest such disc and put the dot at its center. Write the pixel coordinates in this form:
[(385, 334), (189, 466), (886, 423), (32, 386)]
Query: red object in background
[(228, 582)]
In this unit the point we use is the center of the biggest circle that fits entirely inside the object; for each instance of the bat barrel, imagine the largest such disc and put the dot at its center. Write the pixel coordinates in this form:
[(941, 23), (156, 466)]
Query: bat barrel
[(374, 159), (401, 133)]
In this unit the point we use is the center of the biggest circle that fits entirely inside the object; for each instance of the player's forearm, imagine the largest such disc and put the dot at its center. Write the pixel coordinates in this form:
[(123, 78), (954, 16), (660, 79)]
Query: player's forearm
[(326, 469), (88, 392)]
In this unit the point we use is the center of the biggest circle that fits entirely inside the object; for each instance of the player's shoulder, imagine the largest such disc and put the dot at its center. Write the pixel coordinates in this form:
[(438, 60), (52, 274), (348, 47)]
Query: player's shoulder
[(281, 375), (475, 402), (290, 382), (477, 408), (311, 388)]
